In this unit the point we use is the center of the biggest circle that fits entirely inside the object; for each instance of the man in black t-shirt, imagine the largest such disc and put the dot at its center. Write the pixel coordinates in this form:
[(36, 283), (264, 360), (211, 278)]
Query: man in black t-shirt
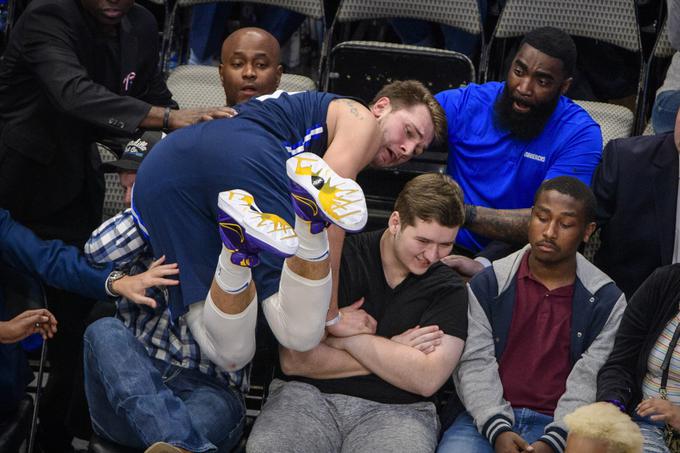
[(371, 392)]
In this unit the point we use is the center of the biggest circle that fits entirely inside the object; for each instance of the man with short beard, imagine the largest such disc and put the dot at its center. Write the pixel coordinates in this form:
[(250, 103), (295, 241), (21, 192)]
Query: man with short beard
[(505, 138)]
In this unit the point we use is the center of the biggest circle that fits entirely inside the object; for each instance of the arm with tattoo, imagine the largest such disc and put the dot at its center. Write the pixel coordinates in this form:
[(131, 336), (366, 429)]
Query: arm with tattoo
[(508, 225)]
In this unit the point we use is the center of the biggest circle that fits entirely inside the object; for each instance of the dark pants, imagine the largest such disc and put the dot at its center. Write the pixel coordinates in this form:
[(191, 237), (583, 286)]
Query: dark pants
[(63, 410)]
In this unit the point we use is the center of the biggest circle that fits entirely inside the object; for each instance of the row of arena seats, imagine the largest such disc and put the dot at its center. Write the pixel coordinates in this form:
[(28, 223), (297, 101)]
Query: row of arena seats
[(614, 22)]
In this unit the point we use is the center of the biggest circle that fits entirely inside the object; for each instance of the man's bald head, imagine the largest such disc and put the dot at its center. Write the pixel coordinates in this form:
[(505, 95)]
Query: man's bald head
[(250, 64)]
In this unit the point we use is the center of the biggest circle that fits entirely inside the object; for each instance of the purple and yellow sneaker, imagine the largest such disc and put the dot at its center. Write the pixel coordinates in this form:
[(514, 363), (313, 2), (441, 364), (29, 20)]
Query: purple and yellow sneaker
[(322, 197), (246, 231)]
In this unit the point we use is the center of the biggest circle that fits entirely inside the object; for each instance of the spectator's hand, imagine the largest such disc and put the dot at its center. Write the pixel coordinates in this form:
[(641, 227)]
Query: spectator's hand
[(187, 117), (425, 339), (660, 410), (133, 287), (467, 267), (540, 447), (511, 442), (334, 342), (27, 323), (353, 321)]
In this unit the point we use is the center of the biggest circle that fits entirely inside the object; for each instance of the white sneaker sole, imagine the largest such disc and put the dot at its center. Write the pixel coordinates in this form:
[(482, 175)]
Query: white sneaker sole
[(270, 232), (340, 199)]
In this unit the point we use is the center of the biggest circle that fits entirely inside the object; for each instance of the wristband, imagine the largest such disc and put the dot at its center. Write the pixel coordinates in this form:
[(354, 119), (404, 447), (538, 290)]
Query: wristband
[(334, 321), (166, 119)]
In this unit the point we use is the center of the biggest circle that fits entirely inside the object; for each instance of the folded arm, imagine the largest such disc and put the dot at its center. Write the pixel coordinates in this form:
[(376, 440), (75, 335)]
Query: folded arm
[(322, 362), (404, 366)]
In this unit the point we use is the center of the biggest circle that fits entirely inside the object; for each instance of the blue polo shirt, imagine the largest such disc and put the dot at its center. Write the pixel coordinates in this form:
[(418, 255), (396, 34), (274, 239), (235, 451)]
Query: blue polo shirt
[(497, 170)]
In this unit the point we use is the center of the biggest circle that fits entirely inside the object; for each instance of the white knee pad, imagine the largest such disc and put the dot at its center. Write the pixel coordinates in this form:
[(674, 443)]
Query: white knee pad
[(297, 313), (227, 340)]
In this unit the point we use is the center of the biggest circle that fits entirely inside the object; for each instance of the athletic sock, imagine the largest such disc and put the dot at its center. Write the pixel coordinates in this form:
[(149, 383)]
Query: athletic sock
[(231, 278), (313, 247)]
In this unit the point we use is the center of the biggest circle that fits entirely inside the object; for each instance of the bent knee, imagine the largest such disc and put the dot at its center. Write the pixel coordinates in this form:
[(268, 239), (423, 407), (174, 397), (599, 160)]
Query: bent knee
[(105, 329), (234, 360)]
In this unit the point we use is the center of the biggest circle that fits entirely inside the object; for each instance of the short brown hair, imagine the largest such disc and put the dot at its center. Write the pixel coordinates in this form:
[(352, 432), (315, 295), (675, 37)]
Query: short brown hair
[(431, 196), (408, 93)]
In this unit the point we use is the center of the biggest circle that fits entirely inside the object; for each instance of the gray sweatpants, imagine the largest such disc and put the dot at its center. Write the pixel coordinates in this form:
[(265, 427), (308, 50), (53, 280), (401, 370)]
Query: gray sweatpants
[(298, 418)]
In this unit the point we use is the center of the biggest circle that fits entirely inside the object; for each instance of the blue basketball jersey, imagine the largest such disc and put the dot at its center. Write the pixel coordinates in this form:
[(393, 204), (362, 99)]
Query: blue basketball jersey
[(175, 194)]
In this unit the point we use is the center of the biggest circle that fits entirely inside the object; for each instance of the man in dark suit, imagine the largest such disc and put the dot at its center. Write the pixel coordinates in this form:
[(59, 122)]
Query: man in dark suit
[(636, 186), (73, 72)]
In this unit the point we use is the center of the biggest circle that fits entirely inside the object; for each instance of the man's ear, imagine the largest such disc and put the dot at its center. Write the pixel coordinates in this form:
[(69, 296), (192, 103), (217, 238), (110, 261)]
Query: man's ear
[(381, 106), (219, 70), (394, 222), (566, 85), (279, 73), (590, 229)]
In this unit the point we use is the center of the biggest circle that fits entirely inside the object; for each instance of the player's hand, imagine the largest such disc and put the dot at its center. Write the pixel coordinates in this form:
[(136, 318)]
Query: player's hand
[(540, 447), (511, 442), (187, 117), (660, 410), (425, 339), (353, 321), (467, 267), (27, 323), (133, 287)]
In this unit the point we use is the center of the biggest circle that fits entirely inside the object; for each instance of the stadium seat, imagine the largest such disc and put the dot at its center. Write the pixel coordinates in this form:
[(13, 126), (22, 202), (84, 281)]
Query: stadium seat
[(462, 14), (311, 8), (615, 121)]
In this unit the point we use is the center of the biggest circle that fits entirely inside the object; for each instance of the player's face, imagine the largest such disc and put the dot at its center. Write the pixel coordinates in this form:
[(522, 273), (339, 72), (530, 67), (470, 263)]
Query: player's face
[(249, 67), (557, 228), (535, 79), (419, 246), (406, 132), (108, 12), (127, 180)]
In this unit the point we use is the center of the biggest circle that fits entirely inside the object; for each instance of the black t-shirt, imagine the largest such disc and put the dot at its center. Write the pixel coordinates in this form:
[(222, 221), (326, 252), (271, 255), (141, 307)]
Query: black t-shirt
[(437, 297)]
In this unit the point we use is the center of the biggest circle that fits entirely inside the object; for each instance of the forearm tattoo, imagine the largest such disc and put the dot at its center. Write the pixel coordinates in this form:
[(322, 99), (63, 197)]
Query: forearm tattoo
[(508, 225)]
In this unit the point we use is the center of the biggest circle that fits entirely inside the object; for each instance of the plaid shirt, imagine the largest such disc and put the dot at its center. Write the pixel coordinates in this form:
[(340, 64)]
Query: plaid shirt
[(118, 240)]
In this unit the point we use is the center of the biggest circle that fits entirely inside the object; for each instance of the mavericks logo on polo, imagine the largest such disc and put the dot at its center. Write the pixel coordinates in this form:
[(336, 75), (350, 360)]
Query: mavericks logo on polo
[(532, 156)]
